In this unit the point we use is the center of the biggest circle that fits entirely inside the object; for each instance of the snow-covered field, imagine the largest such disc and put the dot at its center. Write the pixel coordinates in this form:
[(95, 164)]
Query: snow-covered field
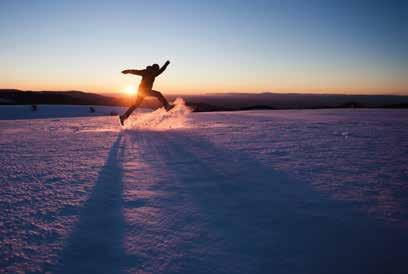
[(54, 111), (313, 191)]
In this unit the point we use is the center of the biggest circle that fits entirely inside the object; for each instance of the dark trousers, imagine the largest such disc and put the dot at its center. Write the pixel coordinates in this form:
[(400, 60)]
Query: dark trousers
[(140, 98)]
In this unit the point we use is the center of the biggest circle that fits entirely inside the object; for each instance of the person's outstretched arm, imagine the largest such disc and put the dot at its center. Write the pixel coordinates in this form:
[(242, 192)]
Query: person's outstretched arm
[(134, 71), (163, 68)]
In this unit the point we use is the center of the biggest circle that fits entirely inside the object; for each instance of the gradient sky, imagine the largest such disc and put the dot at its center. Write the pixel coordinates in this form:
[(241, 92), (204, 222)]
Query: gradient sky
[(345, 46)]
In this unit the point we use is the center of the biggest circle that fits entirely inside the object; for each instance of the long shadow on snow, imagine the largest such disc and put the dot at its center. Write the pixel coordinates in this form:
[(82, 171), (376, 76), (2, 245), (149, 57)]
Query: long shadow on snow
[(96, 244), (265, 222)]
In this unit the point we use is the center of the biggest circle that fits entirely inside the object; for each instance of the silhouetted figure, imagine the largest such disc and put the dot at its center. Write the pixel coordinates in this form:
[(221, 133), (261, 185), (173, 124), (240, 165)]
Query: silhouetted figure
[(34, 107), (145, 88), (91, 110)]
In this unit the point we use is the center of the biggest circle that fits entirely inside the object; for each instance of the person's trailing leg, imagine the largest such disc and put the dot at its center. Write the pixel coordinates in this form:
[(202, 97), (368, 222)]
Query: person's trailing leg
[(124, 116), (161, 98)]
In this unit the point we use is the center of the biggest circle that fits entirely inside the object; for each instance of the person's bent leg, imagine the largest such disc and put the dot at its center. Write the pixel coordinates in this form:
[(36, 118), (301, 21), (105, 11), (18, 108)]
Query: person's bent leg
[(161, 98), (139, 100)]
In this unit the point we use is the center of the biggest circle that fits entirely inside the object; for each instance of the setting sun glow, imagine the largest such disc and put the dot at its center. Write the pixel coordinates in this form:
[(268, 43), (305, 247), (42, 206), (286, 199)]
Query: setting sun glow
[(130, 90)]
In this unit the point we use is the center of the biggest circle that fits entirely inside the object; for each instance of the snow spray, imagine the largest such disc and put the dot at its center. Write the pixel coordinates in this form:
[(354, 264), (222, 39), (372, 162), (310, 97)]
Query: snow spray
[(161, 119)]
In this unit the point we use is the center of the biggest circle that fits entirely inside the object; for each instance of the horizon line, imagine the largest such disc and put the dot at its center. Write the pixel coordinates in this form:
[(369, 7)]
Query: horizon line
[(403, 93)]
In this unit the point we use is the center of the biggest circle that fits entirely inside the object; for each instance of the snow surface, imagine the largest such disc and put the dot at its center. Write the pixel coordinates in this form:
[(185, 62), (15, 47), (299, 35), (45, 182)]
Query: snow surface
[(313, 191), (11, 112)]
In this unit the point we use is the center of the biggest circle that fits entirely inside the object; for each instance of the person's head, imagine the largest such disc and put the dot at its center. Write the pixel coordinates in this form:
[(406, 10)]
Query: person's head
[(155, 67)]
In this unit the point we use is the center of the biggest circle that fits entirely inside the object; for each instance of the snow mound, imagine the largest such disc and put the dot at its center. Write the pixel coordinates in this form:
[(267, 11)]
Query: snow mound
[(161, 119)]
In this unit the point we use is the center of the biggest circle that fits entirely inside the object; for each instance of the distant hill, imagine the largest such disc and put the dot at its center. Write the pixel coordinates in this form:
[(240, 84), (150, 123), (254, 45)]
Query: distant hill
[(19, 97), (252, 101), (72, 97), (211, 102)]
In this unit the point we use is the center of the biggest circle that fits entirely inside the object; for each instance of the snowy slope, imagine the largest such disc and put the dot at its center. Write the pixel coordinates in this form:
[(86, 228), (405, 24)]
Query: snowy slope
[(317, 191), (14, 112)]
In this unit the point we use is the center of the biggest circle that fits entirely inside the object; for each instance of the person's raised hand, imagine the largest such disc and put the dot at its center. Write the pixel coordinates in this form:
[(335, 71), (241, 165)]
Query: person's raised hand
[(167, 63)]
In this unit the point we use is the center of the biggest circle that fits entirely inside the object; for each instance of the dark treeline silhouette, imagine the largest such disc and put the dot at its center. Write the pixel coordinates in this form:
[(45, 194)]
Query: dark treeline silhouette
[(211, 102), (251, 101), (18, 97)]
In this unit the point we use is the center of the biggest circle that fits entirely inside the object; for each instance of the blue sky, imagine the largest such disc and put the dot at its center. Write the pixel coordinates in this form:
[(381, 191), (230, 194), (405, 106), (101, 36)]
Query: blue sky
[(214, 46)]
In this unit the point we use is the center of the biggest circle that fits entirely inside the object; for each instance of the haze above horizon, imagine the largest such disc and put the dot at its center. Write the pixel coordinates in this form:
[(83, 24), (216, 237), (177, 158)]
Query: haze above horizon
[(353, 47)]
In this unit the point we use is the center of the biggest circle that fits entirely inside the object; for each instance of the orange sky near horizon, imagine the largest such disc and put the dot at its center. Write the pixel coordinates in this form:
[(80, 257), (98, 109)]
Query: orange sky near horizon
[(173, 89), (171, 85)]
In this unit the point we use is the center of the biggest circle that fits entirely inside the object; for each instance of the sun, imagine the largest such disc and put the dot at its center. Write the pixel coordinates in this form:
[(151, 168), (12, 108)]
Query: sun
[(130, 90)]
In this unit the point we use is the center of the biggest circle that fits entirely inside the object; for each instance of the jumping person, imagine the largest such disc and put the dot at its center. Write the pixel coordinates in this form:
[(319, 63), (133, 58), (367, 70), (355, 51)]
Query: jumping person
[(145, 88)]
